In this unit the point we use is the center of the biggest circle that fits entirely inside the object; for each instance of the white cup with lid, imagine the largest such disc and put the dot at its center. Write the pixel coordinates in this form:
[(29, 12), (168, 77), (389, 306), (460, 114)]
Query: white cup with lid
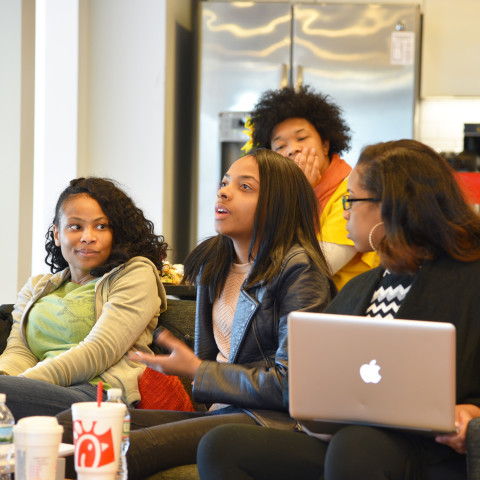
[(37, 440)]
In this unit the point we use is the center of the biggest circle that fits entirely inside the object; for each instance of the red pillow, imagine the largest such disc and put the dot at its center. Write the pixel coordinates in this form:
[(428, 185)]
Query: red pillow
[(162, 392)]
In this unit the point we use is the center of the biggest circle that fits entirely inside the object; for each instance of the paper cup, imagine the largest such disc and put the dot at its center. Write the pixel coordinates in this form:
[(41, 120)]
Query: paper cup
[(97, 435), (36, 442)]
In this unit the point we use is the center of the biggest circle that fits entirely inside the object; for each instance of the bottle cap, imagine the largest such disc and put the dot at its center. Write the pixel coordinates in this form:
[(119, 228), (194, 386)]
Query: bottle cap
[(114, 393)]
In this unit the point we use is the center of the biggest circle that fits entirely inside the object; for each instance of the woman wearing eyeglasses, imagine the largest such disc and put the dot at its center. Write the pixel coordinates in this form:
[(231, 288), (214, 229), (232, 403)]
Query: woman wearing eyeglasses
[(403, 201), (308, 127)]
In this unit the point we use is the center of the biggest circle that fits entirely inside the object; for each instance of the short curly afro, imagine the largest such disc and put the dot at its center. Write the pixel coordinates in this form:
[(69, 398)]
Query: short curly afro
[(275, 106)]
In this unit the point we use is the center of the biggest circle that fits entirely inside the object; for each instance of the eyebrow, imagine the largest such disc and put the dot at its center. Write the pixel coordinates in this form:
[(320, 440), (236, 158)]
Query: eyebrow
[(243, 177), (79, 219), (278, 136)]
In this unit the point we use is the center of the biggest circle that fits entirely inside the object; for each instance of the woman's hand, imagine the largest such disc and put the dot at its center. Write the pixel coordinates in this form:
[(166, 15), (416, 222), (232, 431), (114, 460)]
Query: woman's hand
[(463, 414), (181, 360), (308, 161)]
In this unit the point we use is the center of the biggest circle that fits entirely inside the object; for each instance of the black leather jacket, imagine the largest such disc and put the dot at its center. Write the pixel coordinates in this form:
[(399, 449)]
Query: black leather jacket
[(255, 376)]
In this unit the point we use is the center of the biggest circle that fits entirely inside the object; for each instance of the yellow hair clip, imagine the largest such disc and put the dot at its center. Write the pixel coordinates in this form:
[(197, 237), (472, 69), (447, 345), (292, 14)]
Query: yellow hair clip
[(248, 131)]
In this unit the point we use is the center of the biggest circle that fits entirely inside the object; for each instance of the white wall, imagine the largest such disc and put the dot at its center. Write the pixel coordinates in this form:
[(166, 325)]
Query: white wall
[(56, 112), (442, 121), (10, 83), (16, 143), (122, 97), (100, 90)]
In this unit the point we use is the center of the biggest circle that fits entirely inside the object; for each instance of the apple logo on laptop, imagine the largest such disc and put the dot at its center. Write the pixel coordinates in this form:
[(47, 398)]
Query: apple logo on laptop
[(369, 372)]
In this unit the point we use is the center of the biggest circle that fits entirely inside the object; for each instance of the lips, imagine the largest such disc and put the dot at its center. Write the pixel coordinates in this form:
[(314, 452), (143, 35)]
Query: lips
[(221, 211), (348, 232), (86, 252)]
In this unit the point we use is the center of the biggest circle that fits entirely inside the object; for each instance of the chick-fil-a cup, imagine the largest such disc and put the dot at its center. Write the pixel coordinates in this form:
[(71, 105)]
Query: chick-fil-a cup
[(97, 436)]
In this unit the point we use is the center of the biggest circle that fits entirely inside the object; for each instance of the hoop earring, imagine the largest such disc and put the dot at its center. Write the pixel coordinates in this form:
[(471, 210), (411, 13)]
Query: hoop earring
[(370, 235)]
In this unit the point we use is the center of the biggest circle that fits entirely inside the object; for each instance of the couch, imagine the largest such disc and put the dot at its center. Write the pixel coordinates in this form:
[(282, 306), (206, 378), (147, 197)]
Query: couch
[(473, 449), (180, 320)]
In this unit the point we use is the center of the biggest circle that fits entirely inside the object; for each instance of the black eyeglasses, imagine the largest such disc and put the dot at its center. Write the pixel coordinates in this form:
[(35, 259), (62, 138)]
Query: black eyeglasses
[(347, 201)]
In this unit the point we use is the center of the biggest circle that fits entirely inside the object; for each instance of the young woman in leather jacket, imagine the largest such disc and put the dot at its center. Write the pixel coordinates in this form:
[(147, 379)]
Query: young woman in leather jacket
[(264, 263)]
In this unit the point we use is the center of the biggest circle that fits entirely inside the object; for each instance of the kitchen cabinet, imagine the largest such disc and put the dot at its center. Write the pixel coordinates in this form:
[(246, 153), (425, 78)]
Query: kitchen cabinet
[(451, 36)]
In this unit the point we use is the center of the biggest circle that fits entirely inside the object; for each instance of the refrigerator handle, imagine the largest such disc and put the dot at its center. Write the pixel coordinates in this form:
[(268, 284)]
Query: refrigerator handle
[(283, 75), (299, 77)]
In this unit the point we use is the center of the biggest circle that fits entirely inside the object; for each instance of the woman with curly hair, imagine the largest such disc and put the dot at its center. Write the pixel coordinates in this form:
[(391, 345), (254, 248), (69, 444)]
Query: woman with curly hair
[(308, 128), (73, 327)]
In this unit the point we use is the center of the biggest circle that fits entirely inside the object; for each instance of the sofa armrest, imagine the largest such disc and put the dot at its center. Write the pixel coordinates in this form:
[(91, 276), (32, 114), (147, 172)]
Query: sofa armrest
[(5, 324), (473, 449)]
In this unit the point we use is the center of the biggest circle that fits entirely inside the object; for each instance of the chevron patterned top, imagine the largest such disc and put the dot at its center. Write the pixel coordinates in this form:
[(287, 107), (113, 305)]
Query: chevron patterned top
[(389, 295)]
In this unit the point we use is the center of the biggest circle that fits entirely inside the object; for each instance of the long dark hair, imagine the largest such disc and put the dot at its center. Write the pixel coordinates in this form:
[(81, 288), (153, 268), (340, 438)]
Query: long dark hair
[(423, 208), (286, 214), (276, 106), (133, 234)]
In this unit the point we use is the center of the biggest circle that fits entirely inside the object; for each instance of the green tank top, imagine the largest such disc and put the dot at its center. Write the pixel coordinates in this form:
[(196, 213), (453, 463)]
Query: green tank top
[(61, 320)]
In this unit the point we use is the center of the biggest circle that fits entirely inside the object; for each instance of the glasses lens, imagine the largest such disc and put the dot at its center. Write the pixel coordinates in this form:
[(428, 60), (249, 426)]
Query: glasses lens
[(346, 204)]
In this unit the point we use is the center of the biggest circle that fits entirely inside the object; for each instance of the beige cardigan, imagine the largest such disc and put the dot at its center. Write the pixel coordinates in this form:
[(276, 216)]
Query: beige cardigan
[(128, 301)]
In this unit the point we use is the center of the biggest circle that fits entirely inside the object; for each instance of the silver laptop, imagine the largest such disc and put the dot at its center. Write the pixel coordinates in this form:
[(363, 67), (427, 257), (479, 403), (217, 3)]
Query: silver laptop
[(358, 370)]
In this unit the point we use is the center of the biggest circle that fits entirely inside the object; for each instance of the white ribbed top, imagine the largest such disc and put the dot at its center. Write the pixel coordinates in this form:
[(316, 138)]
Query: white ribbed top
[(224, 309)]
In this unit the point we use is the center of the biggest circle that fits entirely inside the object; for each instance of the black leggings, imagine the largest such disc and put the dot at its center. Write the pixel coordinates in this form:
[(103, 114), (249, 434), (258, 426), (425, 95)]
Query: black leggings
[(240, 452)]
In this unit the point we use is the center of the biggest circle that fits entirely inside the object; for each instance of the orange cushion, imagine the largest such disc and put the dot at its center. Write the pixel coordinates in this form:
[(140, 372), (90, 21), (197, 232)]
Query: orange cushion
[(162, 392), (470, 184)]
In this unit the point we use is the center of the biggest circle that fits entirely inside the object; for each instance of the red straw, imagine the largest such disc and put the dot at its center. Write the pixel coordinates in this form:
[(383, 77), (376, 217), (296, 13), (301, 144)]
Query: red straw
[(99, 392)]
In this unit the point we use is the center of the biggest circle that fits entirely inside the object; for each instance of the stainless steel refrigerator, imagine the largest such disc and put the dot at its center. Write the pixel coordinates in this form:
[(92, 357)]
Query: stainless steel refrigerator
[(364, 56)]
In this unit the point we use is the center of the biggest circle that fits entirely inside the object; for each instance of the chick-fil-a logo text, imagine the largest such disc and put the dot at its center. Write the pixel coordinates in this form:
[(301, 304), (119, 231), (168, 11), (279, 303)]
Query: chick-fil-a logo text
[(93, 448)]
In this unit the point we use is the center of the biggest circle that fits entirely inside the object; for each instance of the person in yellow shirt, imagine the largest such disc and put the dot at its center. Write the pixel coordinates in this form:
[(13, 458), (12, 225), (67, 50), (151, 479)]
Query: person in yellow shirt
[(308, 127)]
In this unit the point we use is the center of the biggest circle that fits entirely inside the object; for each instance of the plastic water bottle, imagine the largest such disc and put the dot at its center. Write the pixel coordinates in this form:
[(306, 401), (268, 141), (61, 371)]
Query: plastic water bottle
[(6, 439), (115, 395)]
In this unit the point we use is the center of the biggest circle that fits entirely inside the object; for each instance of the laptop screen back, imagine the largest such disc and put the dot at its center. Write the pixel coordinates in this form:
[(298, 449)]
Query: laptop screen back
[(348, 369)]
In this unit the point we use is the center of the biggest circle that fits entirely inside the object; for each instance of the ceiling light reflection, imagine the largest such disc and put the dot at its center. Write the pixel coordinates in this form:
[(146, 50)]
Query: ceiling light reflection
[(238, 31)]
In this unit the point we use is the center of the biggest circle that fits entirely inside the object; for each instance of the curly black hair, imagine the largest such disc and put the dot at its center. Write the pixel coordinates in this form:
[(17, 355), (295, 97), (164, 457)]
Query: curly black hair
[(275, 106), (133, 234)]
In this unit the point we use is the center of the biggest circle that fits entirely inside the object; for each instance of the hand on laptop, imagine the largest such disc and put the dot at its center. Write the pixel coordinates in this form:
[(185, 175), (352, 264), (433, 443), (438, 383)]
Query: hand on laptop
[(463, 414)]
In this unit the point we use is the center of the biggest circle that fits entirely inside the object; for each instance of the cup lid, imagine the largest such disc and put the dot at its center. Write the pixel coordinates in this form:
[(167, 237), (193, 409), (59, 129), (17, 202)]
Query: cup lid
[(37, 423)]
